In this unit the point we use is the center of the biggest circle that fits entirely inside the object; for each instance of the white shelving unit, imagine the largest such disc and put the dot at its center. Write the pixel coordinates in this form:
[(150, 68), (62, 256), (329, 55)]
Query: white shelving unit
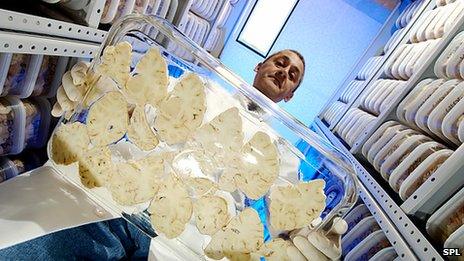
[(401, 231), (428, 5), (439, 187), (15, 21), (424, 71)]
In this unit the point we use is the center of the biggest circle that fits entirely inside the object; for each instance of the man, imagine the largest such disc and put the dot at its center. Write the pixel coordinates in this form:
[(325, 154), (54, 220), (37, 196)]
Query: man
[(277, 77)]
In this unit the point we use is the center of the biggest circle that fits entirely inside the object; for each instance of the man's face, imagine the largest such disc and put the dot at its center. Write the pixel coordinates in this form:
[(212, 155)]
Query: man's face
[(278, 77)]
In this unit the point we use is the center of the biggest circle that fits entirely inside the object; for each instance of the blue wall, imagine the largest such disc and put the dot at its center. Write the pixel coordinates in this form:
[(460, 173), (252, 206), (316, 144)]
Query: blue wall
[(331, 34)]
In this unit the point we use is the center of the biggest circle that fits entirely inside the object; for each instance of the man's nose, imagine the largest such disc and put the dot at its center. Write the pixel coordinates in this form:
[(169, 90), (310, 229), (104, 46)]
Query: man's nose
[(281, 74)]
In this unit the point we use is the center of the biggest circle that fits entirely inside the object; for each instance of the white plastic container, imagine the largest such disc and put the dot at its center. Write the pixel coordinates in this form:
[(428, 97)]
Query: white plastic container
[(376, 136), (357, 214), (382, 94), (22, 73), (429, 30), (412, 109), (393, 58), (172, 10), (37, 122), (391, 162), (7, 169), (420, 33), (60, 69), (386, 254), (451, 122), (125, 7), (426, 108), (370, 246), (412, 64), (394, 71), (420, 25), (45, 75), (5, 59), (423, 172), (392, 96), (437, 116), (408, 163), (109, 11), (366, 122), (390, 133), (392, 146), (447, 219), (419, 88), (458, 8), (393, 39), (442, 61), (359, 232), (439, 29), (140, 6), (13, 118), (456, 240), (461, 130)]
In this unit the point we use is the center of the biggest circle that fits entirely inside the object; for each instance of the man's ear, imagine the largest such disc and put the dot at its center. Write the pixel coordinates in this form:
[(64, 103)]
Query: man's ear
[(257, 67), (288, 97)]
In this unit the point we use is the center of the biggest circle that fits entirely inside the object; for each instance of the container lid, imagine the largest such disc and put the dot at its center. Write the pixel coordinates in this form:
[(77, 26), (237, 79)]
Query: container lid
[(391, 162), (359, 232), (41, 126), (412, 108), (420, 87), (7, 169), (447, 219), (56, 82), (5, 59), (423, 172), (383, 140), (376, 136), (451, 122), (456, 240), (426, 108), (370, 246), (45, 75), (357, 214), (461, 130), (409, 163), (436, 117), (18, 118), (31, 75), (109, 11), (17, 71), (385, 254), (392, 145)]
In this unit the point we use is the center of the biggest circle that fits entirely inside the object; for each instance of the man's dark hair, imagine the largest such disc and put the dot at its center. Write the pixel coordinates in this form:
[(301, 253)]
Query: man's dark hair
[(299, 56)]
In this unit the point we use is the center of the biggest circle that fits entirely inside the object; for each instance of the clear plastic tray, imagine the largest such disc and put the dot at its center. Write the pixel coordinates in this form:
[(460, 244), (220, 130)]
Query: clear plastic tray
[(333, 166)]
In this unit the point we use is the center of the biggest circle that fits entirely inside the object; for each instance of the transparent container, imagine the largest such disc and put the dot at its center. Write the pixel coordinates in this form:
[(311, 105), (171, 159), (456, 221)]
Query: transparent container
[(22, 73), (332, 165), (12, 118), (46, 75), (37, 122), (8, 169)]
